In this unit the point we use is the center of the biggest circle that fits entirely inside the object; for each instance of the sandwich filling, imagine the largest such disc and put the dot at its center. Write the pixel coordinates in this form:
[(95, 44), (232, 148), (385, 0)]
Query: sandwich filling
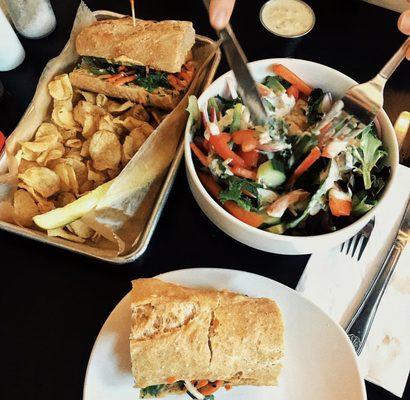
[(200, 389), (127, 74)]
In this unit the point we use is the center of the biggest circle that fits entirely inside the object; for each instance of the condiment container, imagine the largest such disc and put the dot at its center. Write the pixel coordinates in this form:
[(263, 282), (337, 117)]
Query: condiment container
[(33, 19), (287, 18), (11, 51)]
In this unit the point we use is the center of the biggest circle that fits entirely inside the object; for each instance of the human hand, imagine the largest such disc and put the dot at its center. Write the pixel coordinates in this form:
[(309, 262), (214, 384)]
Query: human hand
[(404, 25), (220, 12)]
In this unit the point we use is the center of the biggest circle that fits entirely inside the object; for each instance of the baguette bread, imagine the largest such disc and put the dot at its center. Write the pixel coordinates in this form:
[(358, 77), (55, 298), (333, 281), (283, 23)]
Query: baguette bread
[(192, 334), (165, 99), (163, 45)]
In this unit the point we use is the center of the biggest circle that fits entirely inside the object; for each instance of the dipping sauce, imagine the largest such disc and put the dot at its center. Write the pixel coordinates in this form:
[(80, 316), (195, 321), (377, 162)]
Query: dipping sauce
[(289, 18)]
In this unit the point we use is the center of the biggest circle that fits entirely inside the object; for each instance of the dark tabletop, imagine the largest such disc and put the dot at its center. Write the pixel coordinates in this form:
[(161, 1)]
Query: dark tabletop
[(53, 303)]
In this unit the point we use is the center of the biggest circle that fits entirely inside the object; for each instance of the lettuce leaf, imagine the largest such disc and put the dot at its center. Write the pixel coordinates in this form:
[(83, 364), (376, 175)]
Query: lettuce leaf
[(368, 153), (194, 113)]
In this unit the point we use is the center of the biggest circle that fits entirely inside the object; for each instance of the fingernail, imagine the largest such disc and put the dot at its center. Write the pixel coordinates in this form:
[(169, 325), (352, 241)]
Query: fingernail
[(404, 22), (219, 20)]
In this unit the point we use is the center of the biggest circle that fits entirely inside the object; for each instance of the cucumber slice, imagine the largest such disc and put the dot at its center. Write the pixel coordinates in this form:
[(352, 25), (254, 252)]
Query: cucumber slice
[(236, 119), (279, 229), (271, 173)]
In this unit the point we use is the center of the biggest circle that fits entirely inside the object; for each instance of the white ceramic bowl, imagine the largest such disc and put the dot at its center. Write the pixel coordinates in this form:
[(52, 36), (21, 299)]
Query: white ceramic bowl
[(316, 75)]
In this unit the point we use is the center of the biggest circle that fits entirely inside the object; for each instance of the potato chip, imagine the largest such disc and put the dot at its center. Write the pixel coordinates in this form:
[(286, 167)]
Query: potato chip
[(101, 100), (95, 176), (28, 155), (114, 107), (48, 129), (80, 169), (68, 133), (135, 140), (87, 186), (88, 96), (106, 123), (138, 112), (68, 178), (24, 165), (54, 154), (80, 229), (43, 204), (63, 117), (74, 143), (83, 108), (90, 125), (112, 173), (85, 149), (60, 87), (64, 198), (105, 150), (73, 153), (43, 180), (25, 208), (60, 232)]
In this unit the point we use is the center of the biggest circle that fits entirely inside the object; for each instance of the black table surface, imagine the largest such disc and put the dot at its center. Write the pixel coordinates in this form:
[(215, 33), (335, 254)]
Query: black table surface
[(53, 303)]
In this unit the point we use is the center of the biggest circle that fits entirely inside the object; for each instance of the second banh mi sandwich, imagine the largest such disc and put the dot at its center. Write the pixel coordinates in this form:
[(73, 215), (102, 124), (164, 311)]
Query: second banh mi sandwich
[(196, 341), (148, 63)]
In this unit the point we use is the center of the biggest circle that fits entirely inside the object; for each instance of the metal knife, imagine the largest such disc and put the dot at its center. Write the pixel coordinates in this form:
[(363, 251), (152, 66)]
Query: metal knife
[(359, 327), (246, 85)]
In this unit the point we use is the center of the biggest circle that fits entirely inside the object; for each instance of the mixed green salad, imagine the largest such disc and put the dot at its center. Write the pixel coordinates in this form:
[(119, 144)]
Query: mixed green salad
[(312, 169)]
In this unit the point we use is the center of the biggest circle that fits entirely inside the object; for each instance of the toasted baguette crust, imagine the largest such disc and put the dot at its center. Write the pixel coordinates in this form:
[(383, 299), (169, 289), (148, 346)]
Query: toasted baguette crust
[(160, 45), (161, 98), (195, 334)]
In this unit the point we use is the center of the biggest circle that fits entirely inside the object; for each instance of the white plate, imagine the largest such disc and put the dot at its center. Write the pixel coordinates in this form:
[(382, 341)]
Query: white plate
[(320, 363)]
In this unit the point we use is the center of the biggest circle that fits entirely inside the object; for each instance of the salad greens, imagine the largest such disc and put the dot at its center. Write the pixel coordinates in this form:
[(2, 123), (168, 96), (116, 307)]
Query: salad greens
[(150, 80), (311, 169)]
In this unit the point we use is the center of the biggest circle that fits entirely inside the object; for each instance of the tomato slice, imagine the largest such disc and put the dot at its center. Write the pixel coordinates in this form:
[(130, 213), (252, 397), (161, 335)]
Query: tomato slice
[(2, 140), (221, 147), (251, 158)]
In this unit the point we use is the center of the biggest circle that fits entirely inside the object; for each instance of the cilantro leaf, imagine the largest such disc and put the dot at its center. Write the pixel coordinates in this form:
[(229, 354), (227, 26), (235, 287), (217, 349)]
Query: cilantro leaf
[(151, 391), (235, 189), (368, 153)]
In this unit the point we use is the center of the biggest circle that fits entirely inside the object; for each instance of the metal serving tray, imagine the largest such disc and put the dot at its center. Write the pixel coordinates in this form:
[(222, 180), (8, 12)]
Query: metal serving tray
[(162, 196)]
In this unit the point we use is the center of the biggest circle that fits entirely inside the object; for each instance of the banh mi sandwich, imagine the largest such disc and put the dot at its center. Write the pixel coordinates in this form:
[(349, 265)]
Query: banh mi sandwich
[(196, 341), (148, 63)]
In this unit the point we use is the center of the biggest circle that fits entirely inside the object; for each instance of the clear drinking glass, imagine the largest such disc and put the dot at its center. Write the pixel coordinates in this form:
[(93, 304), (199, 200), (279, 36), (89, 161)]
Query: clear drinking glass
[(33, 19)]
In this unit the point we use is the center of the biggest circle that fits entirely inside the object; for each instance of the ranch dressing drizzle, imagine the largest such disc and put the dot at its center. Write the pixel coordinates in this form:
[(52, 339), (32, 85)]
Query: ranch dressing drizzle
[(287, 17)]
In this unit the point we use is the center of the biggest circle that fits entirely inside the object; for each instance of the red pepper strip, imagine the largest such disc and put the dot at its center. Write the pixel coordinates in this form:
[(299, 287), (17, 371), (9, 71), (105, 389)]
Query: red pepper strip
[(243, 172), (201, 156), (211, 388), (292, 78), (2, 140), (247, 139), (248, 217), (251, 158), (312, 157), (293, 91), (221, 147)]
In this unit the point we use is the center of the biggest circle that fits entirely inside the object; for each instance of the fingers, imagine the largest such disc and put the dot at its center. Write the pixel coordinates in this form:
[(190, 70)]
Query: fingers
[(404, 25), (220, 12)]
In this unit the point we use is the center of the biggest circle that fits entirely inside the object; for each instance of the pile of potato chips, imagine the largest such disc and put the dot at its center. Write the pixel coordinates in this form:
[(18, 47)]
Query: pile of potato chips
[(87, 142)]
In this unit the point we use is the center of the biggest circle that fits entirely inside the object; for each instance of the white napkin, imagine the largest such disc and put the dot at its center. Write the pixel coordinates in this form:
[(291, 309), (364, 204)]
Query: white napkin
[(336, 283)]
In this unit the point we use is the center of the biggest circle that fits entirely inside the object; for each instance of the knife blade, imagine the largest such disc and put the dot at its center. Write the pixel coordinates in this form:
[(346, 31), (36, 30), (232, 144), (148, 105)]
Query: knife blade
[(246, 85)]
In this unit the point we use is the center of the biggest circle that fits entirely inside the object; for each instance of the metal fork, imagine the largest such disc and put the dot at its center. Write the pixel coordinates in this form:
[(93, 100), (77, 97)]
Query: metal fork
[(360, 104), (365, 100), (359, 241)]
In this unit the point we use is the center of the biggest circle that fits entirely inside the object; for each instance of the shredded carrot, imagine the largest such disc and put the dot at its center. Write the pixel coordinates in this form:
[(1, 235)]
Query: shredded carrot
[(201, 383), (201, 156), (114, 77), (171, 380), (105, 76), (122, 68), (243, 172), (174, 82), (211, 388), (311, 158), (126, 79), (228, 386)]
